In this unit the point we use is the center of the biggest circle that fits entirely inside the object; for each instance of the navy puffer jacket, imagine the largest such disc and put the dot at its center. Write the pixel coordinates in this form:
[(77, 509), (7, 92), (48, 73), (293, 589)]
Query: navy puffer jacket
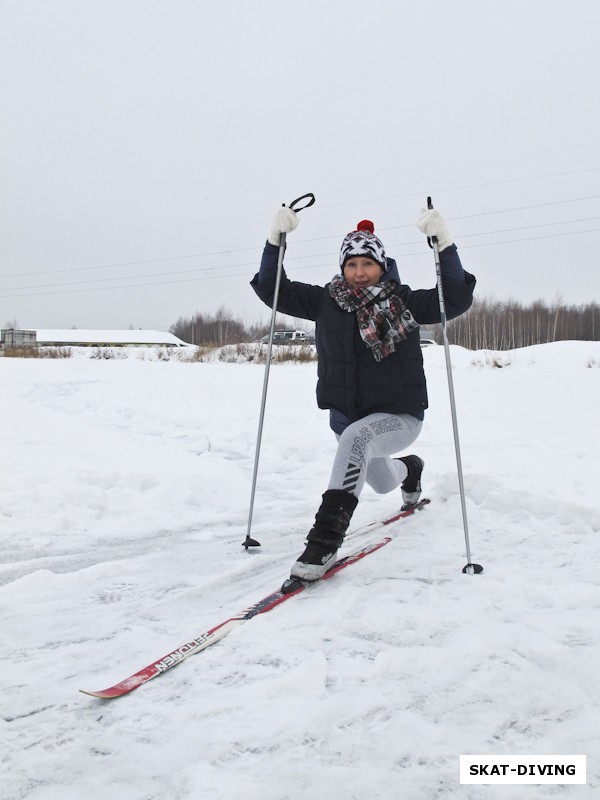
[(349, 379)]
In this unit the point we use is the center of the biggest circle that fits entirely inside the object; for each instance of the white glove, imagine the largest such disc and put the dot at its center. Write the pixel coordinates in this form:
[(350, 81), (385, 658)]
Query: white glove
[(285, 220), (431, 223)]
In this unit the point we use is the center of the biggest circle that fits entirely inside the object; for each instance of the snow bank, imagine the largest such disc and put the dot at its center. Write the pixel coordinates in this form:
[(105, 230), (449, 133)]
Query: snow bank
[(123, 507)]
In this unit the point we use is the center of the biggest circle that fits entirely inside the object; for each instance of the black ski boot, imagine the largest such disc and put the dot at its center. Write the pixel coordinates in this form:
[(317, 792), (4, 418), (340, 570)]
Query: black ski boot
[(411, 487), (326, 536)]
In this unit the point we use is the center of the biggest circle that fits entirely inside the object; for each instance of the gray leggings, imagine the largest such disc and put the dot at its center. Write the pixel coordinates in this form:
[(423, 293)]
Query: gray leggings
[(364, 451)]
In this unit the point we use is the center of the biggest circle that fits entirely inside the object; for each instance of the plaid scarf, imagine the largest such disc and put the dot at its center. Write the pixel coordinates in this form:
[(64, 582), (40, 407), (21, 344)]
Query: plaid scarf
[(383, 318)]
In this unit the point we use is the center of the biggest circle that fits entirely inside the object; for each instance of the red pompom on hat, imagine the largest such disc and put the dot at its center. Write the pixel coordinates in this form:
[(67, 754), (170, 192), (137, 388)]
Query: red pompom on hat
[(365, 225)]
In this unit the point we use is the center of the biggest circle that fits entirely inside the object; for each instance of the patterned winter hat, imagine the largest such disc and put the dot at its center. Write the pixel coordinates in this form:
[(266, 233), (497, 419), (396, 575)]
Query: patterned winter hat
[(363, 242)]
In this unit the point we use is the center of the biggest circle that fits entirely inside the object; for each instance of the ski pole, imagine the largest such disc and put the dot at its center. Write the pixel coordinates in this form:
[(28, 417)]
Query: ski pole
[(295, 206), (469, 568)]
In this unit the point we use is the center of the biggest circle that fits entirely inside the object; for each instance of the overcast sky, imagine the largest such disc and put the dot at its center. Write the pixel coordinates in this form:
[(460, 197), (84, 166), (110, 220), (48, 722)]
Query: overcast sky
[(147, 143)]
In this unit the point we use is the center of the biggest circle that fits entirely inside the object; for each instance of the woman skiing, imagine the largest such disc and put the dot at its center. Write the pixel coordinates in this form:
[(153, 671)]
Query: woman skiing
[(370, 367)]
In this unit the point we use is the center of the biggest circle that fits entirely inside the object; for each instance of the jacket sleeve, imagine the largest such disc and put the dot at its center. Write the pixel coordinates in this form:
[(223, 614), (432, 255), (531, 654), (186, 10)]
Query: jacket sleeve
[(295, 299), (457, 284)]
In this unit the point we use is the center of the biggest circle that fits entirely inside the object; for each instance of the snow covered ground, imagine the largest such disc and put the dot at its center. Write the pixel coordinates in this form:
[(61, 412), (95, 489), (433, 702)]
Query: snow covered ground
[(123, 506)]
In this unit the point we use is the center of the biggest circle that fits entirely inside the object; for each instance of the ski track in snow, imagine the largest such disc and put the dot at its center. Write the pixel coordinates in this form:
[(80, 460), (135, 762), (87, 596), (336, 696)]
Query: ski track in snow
[(123, 507)]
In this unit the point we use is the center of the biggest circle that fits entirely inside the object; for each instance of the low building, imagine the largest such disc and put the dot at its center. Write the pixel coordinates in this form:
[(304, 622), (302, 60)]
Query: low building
[(106, 338), (13, 339)]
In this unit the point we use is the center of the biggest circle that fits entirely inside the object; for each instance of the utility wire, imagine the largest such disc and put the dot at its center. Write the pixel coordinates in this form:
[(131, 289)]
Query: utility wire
[(224, 253), (322, 205), (253, 263), (244, 275)]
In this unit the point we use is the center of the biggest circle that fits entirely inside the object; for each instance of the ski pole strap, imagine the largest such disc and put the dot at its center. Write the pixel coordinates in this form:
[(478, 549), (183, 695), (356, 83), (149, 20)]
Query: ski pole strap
[(433, 238), (294, 204)]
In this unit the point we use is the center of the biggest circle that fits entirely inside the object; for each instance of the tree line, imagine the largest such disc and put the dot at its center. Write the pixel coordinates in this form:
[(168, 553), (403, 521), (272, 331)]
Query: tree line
[(222, 327), (508, 325), (489, 324)]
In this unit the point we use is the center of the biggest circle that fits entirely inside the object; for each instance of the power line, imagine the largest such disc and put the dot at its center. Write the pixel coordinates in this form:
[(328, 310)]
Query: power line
[(322, 205), (307, 241), (291, 258), (460, 188), (244, 275), (128, 263)]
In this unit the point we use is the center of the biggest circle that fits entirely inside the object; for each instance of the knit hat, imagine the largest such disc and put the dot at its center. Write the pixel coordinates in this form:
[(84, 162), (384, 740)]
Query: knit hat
[(363, 242)]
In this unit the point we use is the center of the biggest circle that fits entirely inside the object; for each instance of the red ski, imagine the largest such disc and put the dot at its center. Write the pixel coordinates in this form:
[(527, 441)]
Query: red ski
[(269, 602)]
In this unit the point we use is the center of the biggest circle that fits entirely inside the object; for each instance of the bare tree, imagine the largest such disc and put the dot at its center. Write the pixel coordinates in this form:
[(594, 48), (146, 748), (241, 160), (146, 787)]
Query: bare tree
[(489, 324), (506, 325), (223, 328)]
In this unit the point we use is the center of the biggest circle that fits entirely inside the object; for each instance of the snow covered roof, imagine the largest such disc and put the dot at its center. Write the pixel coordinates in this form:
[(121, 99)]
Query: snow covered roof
[(76, 337)]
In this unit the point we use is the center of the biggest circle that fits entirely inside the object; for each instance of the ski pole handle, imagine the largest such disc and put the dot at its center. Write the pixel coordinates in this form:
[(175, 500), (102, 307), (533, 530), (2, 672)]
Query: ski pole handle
[(294, 204), (433, 239)]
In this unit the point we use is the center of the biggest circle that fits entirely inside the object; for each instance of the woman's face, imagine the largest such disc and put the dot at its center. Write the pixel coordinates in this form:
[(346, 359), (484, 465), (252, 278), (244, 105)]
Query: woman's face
[(362, 272)]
